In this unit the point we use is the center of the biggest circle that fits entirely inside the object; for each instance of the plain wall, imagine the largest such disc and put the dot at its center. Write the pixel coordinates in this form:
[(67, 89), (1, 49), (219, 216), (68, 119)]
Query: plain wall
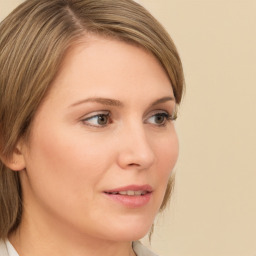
[(213, 208)]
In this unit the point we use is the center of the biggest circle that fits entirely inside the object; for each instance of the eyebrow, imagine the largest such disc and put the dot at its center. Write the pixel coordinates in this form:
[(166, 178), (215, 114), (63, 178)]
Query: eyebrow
[(117, 103), (103, 101)]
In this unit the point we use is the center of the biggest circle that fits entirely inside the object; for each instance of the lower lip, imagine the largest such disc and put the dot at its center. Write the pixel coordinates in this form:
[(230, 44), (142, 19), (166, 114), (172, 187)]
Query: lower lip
[(131, 201)]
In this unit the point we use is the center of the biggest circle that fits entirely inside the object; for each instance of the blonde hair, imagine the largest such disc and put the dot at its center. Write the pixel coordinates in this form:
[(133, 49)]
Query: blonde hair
[(34, 40)]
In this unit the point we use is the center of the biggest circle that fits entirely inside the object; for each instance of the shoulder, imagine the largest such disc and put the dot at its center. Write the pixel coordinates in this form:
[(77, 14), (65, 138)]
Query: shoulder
[(141, 250), (3, 248)]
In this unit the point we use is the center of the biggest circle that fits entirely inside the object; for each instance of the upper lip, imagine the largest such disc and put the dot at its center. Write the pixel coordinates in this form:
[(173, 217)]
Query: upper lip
[(146, 188)]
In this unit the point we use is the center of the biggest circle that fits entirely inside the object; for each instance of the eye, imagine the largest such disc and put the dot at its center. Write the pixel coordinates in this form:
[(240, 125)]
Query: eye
[(160, 118), (98, 120)]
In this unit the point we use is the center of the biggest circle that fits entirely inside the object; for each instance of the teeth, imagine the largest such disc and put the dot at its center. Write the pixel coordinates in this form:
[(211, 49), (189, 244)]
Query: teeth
[(130, 193), (138, 193)]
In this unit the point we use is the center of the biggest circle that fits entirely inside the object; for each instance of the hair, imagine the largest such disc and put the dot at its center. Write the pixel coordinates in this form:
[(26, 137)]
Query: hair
[(34, 40)]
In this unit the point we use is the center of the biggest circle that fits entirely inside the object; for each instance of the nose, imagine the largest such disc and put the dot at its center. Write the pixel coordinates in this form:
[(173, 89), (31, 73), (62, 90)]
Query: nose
[(135, 150)]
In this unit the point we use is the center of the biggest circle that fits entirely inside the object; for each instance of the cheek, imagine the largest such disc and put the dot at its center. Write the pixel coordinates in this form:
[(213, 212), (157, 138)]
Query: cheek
[(60, 164), (65, 170), (167, 152)]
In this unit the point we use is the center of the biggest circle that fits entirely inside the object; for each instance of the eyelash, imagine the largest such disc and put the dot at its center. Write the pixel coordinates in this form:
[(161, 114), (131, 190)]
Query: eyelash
[(166, 115), (106, 115)]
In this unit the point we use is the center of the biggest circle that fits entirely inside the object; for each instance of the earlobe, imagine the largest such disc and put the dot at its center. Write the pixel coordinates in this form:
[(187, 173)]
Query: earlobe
[(16, 160)]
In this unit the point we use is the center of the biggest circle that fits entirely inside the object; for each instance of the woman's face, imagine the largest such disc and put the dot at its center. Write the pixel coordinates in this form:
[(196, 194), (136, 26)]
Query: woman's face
[(102, 144)]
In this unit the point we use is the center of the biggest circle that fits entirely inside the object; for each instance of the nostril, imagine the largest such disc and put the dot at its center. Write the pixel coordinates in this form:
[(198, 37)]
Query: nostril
[(133, 164)]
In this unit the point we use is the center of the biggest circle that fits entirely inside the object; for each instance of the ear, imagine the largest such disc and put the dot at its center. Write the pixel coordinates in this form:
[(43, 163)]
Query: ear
[(16, 160)]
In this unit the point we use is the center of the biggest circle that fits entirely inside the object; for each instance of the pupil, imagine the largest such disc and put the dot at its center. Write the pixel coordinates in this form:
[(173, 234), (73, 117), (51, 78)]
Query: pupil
[(102, 120), (159, 119)]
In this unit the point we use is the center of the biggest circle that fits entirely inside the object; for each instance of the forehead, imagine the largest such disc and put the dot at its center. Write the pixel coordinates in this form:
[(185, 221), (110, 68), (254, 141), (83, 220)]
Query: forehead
[(99, 65)]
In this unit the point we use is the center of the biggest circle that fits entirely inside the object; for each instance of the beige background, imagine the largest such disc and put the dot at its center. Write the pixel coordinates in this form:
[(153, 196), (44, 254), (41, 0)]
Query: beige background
[(213, 209)]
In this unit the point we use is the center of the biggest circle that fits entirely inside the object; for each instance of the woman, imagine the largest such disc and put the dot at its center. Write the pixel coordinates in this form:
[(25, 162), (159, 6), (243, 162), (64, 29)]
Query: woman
[(89, 91)]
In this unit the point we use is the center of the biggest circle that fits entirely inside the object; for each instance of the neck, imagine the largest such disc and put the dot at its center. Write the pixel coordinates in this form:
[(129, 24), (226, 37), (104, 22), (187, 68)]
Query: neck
[(35, 240)]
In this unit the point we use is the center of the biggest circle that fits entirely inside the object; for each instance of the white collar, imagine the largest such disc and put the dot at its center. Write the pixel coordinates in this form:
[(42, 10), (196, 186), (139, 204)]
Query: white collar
[(10, 249)]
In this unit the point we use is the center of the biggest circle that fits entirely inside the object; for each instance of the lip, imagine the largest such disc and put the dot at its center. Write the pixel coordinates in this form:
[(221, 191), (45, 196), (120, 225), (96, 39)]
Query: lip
[(147, 188), (134, 201)]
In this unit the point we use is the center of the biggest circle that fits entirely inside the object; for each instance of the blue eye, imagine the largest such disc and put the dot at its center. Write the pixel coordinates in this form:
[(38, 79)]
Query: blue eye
[(99, 120)]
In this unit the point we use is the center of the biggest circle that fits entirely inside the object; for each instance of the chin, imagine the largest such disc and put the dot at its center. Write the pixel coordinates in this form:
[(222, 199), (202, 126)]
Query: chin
[(131, 231)]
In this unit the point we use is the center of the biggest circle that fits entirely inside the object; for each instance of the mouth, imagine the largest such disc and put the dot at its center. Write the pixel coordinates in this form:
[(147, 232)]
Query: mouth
[(129, 193), (132, 196), (131, 190)]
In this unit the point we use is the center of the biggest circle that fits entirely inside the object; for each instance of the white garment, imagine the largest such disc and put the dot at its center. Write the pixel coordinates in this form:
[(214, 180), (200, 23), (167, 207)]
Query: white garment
[(10, 249), (6, 249), (141, 250)]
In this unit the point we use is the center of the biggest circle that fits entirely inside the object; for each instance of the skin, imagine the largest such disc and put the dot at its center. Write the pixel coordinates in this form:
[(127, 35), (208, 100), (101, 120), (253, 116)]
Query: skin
[(71, 157)]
